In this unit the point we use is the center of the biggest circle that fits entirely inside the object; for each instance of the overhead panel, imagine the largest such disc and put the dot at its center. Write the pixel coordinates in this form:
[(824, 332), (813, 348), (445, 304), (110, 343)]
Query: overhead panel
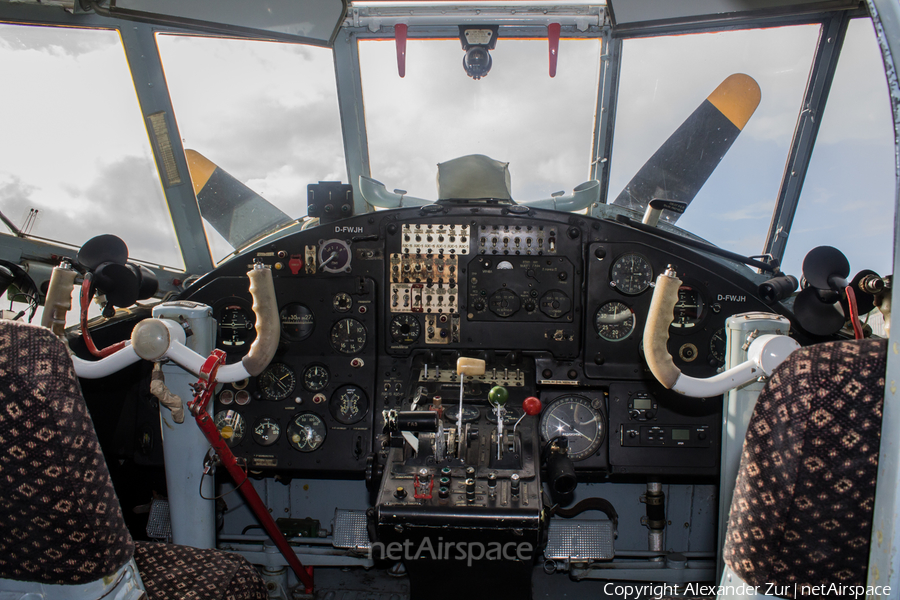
[(310, 21)]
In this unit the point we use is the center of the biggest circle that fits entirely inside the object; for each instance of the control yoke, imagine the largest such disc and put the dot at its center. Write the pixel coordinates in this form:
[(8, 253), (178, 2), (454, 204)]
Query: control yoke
[(765, 352), (160, 339)]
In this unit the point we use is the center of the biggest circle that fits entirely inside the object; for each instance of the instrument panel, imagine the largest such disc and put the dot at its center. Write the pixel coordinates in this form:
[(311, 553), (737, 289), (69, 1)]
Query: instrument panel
[(375, 307)]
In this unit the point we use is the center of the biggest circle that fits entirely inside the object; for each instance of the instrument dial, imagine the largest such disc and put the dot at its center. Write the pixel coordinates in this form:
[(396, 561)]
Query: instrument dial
[(297, 322), (266, 432), (575, 418), (307, 432), (504, 303), (349, 404), (470, 413), (717, 345), (348, 336), (277, 381), (614, 321), (631, 274), (334, 256), (555, 304), (342, 302), (688, 309), (405, 329), (235, 327), (315, 378), (230, 424)]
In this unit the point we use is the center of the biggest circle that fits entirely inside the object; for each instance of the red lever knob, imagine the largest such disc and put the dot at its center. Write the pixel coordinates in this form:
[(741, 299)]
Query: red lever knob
[(532, 406)]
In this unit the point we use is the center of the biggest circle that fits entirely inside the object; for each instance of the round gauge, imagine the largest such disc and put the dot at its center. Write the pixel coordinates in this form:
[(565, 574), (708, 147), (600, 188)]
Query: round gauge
[(226, 397), (266, 432), (614, 321), (574, 418), (349, 404), (504, 303), (334, 256), (306, 432), (315, 378), (631, 274), (470, 413), (342, 302), (509, 418), (235, 328), (688, 309), (555, 304), (297, 322), (277, 381), (405, 329), (348, 336), (230, 424), (717, 345), (242, 398)]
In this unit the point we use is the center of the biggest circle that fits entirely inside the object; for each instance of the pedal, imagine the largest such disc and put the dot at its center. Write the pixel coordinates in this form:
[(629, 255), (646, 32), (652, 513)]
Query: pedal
[(580, 540), (350, 530), (159, 524)]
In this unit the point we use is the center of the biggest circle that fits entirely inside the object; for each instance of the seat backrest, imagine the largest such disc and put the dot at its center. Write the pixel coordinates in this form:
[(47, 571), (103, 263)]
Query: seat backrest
[(802, 507), (60, 519)]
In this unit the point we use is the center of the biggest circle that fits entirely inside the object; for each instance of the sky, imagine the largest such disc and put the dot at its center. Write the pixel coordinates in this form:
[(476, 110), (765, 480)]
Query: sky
[(267, 113)]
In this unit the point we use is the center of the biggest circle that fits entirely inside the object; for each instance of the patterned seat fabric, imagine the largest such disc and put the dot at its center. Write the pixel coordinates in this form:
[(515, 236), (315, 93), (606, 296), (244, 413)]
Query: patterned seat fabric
[(60, 520), (170, 571), (802, 507)]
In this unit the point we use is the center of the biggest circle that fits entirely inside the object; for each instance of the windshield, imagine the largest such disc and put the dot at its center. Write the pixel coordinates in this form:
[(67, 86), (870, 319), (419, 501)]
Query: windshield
[(541, 126)]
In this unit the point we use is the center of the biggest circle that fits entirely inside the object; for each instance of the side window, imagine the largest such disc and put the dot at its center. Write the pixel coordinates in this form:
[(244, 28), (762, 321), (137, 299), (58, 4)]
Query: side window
[(848, 196), (75, 160), (264, 112)]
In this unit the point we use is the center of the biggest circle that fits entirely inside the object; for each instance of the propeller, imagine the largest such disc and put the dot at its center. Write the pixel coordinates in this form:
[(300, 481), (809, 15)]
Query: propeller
[(684, 162), (105, 257), (239, 214)]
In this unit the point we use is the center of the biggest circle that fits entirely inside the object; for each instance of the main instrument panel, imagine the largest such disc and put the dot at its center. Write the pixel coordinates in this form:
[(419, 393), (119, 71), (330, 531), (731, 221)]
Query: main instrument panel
[(376, 309)]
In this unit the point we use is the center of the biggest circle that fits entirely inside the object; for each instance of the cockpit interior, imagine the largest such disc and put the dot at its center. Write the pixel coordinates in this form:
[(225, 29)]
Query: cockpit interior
[(293, 306)]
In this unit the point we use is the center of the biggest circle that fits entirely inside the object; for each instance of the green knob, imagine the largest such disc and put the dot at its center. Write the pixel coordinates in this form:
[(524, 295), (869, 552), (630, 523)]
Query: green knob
[(498, 395)]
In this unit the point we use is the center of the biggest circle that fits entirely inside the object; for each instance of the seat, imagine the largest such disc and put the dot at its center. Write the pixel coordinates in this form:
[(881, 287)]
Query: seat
[(802, 508), (60, 520)]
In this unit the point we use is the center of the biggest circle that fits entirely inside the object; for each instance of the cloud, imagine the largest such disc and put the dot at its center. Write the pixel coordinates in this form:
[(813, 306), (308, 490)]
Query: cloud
[(57, 41)]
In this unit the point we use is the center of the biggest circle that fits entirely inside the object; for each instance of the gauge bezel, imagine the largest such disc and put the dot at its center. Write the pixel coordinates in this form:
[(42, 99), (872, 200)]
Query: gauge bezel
[(303, 377), (334, 405), (269, 371), (357, 345), (340, 267), (694, 324), (239, 431), (597, 328), (294, 424), (234, 302), (256, 437), (576, 452), (712, 350), (615, 280), (290, 336), (410, 338)]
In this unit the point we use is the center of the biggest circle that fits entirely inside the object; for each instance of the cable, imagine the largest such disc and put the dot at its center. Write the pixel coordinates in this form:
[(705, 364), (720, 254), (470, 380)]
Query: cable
[(86, 295), (854, 318)]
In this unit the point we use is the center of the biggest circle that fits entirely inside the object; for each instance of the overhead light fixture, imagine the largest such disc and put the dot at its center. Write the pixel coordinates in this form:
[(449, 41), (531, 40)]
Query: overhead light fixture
[(478, 41)]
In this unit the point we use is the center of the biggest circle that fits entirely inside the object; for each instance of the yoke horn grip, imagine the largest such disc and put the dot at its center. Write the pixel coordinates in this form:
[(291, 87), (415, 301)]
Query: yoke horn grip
[(59, 300), (656, 332), (268, 328)]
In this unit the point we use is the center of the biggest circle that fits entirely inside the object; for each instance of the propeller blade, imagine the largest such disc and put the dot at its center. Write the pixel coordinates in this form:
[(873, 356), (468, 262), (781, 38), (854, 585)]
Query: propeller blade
[(106, 248), (681, 166), (239, 214)]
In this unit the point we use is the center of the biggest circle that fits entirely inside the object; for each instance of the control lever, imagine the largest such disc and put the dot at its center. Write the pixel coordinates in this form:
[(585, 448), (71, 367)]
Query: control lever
[(532, 407), (465, 366), (765, 352), (160, 339), (498, 397)]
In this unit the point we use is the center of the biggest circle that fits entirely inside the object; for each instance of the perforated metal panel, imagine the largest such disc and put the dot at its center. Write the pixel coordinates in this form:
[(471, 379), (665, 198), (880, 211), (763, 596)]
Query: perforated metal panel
[(159, 525), (580, 540), (350, 530)]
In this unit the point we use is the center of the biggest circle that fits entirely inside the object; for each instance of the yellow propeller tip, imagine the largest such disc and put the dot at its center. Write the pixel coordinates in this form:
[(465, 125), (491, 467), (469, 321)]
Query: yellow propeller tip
[(201, 169), (737, 98)]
